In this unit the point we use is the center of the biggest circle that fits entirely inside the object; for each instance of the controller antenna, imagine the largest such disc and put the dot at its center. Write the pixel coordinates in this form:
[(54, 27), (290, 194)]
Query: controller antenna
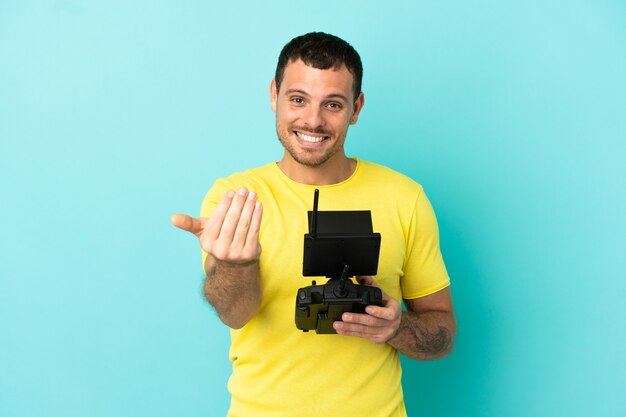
[(313, 230)]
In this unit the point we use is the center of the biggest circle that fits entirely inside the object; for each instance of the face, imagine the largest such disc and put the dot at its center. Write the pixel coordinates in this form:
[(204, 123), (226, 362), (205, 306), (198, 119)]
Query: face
[(313, 111)]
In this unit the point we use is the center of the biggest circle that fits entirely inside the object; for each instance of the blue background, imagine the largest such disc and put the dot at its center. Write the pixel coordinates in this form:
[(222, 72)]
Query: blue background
[(116, 114)]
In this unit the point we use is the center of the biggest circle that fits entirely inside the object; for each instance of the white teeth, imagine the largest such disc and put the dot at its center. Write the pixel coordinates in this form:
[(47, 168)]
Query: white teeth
[(308, 138)]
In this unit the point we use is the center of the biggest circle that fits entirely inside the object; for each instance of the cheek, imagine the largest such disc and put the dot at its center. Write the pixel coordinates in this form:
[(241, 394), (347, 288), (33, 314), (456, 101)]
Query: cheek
[(286, 116), (342, 123)]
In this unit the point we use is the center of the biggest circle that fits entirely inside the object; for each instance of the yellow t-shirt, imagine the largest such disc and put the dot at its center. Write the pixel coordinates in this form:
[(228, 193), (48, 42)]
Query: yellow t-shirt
[(279, 370)]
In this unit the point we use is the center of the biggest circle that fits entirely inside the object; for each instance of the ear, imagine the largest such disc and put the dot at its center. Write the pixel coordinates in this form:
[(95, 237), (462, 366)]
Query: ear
[(358, 105), (273, 95)]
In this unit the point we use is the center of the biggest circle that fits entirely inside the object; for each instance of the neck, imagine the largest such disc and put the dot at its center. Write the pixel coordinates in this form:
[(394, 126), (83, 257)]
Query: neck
[(333, 171)]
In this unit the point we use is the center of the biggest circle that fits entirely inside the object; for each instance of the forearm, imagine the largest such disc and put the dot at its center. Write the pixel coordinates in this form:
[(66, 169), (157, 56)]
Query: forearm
[(425, 336), (233, 290)]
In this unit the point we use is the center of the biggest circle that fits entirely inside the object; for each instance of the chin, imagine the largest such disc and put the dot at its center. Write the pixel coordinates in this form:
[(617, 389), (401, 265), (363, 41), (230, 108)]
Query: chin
[(312, 161)]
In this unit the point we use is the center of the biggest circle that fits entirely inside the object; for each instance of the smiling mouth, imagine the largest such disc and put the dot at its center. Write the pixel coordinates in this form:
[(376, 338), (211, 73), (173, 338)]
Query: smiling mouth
[(310, 138)]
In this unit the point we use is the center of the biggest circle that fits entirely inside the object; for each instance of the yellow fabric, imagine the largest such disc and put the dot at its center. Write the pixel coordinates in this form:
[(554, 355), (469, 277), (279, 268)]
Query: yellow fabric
[(279, 370)]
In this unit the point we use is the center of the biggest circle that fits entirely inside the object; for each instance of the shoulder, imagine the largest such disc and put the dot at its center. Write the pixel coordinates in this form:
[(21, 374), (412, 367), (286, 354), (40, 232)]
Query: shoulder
[(385, 178), (251, 178), (255, 179)]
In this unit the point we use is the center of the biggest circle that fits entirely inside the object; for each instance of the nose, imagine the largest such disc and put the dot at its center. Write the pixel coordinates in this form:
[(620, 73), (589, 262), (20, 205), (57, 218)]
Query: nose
[(313, 117)]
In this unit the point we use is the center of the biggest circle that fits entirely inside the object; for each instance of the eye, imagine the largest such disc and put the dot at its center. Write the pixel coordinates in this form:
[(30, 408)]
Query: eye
[(297, 100), (334, 106)]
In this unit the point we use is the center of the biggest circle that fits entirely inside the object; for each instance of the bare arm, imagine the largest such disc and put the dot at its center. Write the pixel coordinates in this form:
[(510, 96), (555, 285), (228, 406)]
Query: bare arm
[(234, 291), (230, 237), (428, 330), (425, 332)]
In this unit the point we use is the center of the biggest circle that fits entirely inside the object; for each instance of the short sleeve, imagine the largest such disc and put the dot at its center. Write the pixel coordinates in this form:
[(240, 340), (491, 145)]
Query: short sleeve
[(424, 270)]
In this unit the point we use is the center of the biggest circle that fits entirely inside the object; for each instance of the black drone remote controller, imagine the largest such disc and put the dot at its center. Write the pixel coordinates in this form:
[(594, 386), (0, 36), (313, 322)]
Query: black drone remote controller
[(339, 245), (319, 306)]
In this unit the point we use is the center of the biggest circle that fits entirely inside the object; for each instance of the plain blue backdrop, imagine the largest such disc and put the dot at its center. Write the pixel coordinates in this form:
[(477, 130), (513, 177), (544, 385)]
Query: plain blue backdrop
[(116, 114)]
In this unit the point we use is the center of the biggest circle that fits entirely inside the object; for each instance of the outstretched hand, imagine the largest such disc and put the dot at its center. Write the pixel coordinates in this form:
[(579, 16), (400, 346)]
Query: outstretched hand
[(380, 324), (231, 234)]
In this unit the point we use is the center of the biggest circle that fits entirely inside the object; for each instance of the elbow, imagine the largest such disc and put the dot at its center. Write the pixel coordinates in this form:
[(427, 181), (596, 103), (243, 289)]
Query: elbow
[(238, 316), (445, 344), (429, 355), (447, 350), (234, 322), (443, 340), (235, 312), (437, 345)]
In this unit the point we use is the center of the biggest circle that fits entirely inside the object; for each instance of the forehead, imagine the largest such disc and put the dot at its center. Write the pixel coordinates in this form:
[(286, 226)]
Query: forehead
[(316, 81)]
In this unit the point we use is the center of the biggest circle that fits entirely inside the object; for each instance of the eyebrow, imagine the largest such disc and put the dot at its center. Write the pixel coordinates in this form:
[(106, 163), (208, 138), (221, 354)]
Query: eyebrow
[(304, 93)]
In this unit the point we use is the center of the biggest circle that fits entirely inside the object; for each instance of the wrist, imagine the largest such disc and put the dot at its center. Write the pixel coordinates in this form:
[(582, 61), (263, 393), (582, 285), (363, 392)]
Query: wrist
[(396, 334), (211, 263)]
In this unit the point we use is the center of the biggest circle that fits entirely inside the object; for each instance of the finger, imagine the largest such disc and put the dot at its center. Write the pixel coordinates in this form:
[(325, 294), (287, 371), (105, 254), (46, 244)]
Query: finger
[(245, 219), (354, 329), (214, 225), (252, 239), (389, 312), (188, 223), (375, 334), (373, 337), (232, 216), (363, 319), (366, 280)]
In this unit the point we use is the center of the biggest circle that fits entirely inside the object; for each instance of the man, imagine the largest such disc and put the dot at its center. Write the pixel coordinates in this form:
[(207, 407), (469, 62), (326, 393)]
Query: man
[(251, 233)]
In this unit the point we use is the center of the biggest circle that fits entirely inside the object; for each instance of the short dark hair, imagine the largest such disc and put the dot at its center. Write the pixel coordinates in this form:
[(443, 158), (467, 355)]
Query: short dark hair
[(322, 51)]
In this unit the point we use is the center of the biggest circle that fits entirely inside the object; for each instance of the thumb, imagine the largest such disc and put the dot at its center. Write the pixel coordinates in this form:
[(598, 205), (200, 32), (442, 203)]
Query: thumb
[(367, 280), (188, 223)]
